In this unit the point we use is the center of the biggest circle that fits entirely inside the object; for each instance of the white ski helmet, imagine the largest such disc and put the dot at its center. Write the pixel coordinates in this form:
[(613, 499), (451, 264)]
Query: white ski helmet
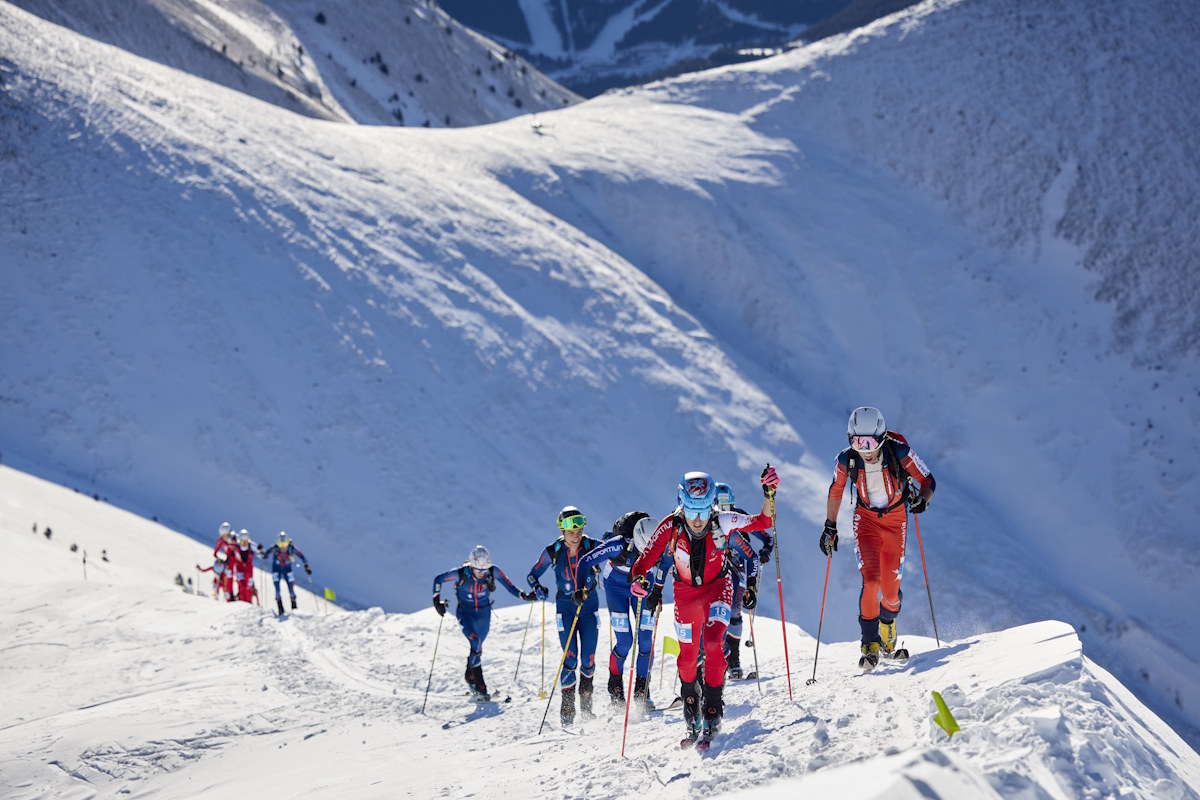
[(224, 529), (866, 421), (642, 532), (480, 558)]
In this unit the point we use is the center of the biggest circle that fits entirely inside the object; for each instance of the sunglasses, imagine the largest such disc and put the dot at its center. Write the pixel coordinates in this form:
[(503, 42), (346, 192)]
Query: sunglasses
[(697, 515), (574, 523)]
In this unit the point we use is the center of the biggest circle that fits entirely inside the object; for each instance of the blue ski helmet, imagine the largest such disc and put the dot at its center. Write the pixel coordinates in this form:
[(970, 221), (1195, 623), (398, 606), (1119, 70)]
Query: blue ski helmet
[(724, 497), (697, 495)]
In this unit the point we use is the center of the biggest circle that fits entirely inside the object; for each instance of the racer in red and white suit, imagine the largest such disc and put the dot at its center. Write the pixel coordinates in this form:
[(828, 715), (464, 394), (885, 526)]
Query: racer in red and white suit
[(699, 536)]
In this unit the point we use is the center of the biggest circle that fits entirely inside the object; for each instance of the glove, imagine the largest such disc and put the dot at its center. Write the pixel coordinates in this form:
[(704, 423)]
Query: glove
[(829, 538), (527, 596), (750, 598), (580, 595), (770, 480), (261, 552), (307, 569), (917, 504), (764, 555), (540, 592), (640, 586), (439, 606), (653, 600)]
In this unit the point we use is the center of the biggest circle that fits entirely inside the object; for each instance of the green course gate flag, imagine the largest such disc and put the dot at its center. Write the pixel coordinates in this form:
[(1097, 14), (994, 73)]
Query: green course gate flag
[(944, 719)]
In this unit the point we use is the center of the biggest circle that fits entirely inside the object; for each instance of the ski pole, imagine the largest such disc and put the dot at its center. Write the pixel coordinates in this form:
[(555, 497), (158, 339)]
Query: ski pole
[(820, 622), (542, 690), (561, 661), (754, 647), (441, 619), (779, 581), (312, 591), (650, 660), (927, 590), (522, 652), (632, 671)]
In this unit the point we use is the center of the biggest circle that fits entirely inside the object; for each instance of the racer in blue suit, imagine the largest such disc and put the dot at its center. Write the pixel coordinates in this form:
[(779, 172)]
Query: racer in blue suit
[(576, 604), (281, 555), (475, 581), (741, 558), (617, 553)]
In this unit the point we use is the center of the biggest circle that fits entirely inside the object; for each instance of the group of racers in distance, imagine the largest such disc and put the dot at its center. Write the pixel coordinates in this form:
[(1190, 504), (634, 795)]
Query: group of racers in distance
[(233, 566), (704, 544)]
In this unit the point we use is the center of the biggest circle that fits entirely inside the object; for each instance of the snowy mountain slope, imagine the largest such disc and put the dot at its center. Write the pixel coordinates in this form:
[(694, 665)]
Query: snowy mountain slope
[(379, 63), (391, 337), (122, 685)]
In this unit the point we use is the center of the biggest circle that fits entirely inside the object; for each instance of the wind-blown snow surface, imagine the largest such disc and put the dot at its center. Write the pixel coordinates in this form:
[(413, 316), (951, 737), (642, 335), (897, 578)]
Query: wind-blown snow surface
[(121, 685), (397, 343)]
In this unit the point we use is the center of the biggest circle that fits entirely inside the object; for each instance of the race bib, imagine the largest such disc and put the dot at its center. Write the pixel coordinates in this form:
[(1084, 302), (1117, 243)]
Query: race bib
[(719, 612), (620, 623), (558, 618), (683, 631)]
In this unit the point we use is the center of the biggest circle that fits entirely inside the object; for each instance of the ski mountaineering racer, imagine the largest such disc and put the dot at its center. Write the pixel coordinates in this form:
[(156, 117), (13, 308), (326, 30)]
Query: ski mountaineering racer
[(281, 555), (617, 553), (576, 606), (697, 535), (475, 581), (884, 474), (742, 560)]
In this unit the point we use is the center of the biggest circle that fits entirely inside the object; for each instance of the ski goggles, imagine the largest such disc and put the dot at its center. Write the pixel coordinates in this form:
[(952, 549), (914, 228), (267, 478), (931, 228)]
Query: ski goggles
[(865, 444), (697, 514), (573, 523)]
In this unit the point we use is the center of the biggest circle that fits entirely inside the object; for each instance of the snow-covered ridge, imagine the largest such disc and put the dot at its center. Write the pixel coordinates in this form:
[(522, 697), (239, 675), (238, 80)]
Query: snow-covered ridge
[(377, 62), (123, 683)]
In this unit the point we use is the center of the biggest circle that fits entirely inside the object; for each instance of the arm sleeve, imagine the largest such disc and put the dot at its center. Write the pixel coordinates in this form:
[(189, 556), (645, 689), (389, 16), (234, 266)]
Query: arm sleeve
[(763, 536), (296, 550), (451, 576), (732, 521), (838, 487), (609, 548), (513, 590), (654, 549), (915, 467), (536, 572), (741, 545)]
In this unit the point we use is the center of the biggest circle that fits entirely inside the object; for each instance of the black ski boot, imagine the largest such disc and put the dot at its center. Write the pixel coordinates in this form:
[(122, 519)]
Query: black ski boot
[(691, 712), (641, 695), (870, 657), (733, 657), (469, 676), (567, 712), (714, 709), (293, 604), (481, 692), (279, 605), (616, 689), (585, 697)]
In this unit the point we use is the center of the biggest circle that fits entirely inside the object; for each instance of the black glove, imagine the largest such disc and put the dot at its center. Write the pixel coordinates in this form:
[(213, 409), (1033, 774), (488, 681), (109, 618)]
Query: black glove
[(580, 595), (527, 596), (439, 606), (764, 555), (540, 592), (261, 552), (653, 600), (491, 581), (750, 598), (307, 569), (917, 504), (829, 538)]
